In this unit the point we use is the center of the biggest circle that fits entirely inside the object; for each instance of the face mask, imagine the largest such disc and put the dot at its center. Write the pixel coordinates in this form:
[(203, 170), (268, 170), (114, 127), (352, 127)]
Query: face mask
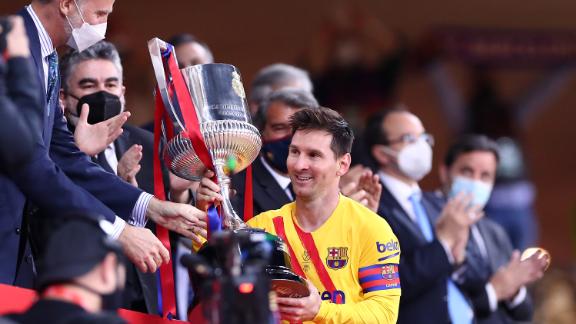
[(415, 159), (479, 190), (87, 35), (103, 105), (276, 153)]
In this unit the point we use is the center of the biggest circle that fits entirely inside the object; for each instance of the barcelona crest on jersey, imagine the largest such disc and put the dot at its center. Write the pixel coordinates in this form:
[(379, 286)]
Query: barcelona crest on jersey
[(337, 257)]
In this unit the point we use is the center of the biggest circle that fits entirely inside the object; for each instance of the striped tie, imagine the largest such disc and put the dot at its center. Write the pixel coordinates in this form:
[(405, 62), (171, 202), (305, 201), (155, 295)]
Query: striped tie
[(51, 93)]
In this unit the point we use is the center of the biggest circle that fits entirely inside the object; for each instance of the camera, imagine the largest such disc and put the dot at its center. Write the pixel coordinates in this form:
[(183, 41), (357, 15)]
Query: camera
[(229, 278), (5, 27)]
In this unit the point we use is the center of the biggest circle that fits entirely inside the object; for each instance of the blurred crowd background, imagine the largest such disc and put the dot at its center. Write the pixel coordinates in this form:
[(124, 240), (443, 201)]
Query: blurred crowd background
[(501, 68)]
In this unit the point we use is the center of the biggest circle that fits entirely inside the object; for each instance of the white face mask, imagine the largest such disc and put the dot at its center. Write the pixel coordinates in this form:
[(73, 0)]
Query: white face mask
[(415, 159), (87, 35)]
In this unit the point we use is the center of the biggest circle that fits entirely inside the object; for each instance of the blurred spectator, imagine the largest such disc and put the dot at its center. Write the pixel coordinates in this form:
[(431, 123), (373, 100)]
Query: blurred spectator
[(433, 242), (488, 112), (493, 277), (190, 51), (80, 282), (274, 77), (92, 96)]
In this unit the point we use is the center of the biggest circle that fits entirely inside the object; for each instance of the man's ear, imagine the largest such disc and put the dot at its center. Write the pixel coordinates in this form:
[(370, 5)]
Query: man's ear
[(344, 164), (67, 7)]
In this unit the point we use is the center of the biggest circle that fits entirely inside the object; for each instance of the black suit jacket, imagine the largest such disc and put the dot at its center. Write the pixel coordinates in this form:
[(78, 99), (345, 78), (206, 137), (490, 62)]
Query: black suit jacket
[(424, 266), (141, 291), (268, 195), (478, 271), (135, 135)]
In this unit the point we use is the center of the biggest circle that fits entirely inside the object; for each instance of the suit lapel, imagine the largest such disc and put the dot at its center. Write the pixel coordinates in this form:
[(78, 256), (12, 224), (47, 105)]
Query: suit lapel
[(269, 184), (122, 144), (391, 206), (34, 42)]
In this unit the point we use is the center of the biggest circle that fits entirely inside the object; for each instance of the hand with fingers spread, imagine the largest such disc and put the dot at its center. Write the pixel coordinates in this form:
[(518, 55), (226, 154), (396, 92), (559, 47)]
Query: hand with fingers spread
[(181, 218), (508, 280), (297, 310), (143, 248), (93, 139), (453, 225), (129, 164), (208, 192)]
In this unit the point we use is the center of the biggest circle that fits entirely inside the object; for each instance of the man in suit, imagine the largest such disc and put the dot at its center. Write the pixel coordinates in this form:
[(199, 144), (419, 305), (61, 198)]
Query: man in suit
[(275, 77), (493, 276), (62, 179), (94, 76), (270, 182), (433, 243)]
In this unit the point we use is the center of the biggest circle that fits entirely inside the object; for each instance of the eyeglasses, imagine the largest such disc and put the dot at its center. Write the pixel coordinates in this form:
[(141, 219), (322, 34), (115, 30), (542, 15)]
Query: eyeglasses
[(410, 138)]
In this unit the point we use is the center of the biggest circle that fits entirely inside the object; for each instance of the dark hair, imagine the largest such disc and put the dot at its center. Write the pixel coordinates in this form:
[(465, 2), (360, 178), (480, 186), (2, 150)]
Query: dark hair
[(328, 120), (102, 50), (295, 98), (374, 133), (185, 38), (470, 143)]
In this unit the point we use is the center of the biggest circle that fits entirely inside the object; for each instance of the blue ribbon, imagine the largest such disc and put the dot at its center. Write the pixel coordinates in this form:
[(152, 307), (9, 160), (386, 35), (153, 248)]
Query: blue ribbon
[(214, 220)]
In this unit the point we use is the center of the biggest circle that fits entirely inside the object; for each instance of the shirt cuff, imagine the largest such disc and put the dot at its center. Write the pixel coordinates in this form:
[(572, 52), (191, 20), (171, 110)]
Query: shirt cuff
[(519, 298), (138, 216), (492, 298), (118, 227)]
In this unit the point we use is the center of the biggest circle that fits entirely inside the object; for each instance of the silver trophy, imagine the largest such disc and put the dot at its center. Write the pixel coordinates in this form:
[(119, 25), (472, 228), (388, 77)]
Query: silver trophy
[(232, 141)]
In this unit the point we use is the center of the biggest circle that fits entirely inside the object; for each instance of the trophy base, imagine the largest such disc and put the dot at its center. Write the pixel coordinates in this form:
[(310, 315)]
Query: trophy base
[(287, 284)]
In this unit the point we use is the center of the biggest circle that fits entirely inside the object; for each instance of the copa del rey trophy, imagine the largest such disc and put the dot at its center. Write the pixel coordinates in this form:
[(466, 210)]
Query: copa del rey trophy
[(225, 132)]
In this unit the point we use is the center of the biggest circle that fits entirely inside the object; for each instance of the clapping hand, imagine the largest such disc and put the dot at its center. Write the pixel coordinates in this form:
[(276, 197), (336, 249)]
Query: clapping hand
[(93, 139)]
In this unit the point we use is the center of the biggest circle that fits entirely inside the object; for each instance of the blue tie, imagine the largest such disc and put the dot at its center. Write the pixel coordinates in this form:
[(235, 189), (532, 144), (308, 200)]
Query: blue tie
[(51, 92), (458, 308)]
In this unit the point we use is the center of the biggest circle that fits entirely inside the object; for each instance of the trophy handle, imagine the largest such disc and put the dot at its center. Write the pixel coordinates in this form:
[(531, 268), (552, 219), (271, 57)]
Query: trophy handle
[(156, 47)]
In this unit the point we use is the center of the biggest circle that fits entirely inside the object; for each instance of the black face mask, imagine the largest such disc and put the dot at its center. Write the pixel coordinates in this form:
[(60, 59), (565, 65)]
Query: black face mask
[(103, 105), (276, 153)]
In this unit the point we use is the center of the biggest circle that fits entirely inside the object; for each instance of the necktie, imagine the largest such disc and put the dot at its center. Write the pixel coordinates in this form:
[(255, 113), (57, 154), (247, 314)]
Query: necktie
[(458, 308), (51, 91), (289, 187)]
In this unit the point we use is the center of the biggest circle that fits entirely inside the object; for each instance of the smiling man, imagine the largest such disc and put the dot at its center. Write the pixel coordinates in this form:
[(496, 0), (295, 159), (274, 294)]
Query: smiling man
[(347, 252)]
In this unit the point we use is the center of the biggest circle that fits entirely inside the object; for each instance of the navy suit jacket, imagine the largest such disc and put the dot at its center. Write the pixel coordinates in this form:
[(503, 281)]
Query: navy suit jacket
[(424, 266), (268, 195), (478, 271), (58, 179)]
